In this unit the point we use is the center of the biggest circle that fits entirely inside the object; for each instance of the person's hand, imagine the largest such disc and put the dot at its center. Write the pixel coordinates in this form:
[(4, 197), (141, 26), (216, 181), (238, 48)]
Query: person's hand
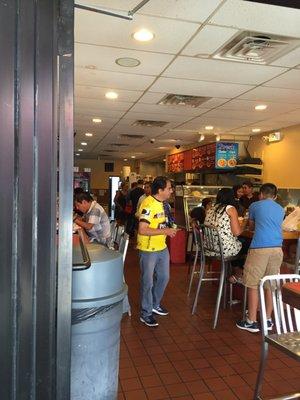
[(170, 232)]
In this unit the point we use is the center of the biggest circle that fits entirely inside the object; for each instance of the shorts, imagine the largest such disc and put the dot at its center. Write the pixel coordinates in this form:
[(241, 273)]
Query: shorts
[(261, 262)]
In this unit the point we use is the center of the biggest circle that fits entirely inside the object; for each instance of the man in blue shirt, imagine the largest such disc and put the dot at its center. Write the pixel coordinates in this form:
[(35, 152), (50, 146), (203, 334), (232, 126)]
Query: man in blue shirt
[(265, 253)]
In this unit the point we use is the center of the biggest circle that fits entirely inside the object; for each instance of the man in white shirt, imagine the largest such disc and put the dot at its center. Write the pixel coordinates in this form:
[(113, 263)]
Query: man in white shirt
[(95, 220)]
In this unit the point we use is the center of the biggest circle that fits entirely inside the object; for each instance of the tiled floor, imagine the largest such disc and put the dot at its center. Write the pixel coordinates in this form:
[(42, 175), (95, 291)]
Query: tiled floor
[(184, 358)]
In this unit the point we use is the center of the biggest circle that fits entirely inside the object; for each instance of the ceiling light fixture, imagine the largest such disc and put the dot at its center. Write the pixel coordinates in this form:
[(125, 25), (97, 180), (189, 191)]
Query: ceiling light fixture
[(164, 159), (261, 107), (111, 95), (88, 134), (218, 138), (132, 156), (125, 159), (209, 127), (77, 154), (201, 138), (143, 35), (83, 143), (80, 150), (97, 120), (256, 130), (127, 62)]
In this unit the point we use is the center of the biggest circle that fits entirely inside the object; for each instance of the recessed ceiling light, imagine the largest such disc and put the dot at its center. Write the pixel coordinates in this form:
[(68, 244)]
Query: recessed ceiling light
[(201, 138), (256, 130), (162, 148), (111, 95), (83, 143), (164, 159), (127, 62), (77, 154), (132, 156), (209, 127), (80, 150), (88, 134), (97, 120), (261, 107), (218, 138), (143, 35), (125, 159)]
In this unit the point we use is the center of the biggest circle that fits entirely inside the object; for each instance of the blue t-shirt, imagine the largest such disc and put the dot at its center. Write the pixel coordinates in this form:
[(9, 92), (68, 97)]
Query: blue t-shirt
[(268, 217)]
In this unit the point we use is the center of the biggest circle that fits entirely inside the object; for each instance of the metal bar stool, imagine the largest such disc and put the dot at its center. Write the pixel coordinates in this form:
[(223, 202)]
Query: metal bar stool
[(211, 248), (287, 326), (123, 247)]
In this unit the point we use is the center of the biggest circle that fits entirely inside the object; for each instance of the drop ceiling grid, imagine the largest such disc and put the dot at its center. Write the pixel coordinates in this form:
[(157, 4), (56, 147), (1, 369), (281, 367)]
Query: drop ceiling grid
[(161, 85)]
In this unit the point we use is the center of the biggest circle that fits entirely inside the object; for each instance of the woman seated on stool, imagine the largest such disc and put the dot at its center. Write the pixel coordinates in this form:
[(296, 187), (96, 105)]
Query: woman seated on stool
[(223, 216), (198, 213)]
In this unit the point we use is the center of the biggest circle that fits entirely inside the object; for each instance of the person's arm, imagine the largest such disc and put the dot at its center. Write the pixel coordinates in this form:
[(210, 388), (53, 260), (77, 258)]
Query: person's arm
[(145, 230), (251, 225), (236, 228), (86, 225)]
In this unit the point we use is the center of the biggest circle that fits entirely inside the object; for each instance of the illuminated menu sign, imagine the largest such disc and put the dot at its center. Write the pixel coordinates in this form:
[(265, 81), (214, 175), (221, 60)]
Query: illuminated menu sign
[(226, 155)]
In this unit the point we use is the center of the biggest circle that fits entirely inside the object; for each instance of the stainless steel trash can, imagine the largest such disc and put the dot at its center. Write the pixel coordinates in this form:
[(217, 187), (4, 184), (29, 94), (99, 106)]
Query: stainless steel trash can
[(97, 295)]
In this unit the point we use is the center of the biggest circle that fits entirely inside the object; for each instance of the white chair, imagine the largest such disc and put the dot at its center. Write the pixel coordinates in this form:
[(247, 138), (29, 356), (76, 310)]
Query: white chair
[(123, 247), (287, 326)]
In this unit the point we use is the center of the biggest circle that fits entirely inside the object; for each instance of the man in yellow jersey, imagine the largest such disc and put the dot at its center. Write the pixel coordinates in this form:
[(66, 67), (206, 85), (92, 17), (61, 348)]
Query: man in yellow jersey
[(153, 251)]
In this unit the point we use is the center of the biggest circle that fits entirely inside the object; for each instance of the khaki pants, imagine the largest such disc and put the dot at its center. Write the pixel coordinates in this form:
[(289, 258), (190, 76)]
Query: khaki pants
[(261, 262)]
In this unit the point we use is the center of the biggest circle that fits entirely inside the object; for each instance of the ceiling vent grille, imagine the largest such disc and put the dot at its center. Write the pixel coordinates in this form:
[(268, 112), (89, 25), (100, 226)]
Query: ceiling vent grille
[(130, 136), (256, 48), (149, 124), (183, 100), (110, 151), (119, 144)]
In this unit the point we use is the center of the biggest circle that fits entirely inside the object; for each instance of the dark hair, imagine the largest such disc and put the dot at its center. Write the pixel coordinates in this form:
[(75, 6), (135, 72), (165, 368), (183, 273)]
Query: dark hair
[(78, 190), (198, 213), (160, 182), (134, 185), (79, 197), (235, 188), (206, 201), (248, 183), (225, 197), (268, 189), (140, 182)]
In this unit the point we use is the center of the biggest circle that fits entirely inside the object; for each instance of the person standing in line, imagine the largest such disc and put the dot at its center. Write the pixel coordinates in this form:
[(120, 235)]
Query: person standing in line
[(133, 197), (153, 251), (265, 253), (147, 192)]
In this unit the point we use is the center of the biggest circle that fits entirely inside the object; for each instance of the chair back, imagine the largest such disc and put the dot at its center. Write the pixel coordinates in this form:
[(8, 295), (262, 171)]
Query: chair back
[(198, 239), (119, 232), (212, 243), (123, 246), (286, 318)]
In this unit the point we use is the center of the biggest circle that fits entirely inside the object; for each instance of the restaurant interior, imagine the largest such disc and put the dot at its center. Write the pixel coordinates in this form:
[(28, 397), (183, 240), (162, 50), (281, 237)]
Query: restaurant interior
[(206, 92)]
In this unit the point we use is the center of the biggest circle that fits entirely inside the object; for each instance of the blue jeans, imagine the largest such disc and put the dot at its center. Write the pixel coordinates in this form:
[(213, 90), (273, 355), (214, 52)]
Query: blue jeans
[(155, 267)]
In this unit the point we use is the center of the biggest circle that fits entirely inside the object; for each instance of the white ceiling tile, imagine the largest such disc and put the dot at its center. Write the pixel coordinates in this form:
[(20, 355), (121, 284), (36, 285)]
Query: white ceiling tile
[(156, 117), (191, 10), (99, 29), (93, 92), (273, 95), (289, 60), (104, 58), (111, 80), (123, 5), (220, 124), (221, 71), (245, 116), (262, 18), (100, 105), (289, 80), (98, 113), (208, 40), (199, 88), (249, 106)]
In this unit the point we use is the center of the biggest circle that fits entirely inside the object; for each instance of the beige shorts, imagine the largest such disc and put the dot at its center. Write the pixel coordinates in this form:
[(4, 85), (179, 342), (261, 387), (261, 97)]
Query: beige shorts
[(261, 262)]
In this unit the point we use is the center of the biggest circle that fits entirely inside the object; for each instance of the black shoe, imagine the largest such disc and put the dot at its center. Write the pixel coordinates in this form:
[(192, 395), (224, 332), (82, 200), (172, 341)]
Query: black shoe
[(250, 327), (149, 321), (160, 311)]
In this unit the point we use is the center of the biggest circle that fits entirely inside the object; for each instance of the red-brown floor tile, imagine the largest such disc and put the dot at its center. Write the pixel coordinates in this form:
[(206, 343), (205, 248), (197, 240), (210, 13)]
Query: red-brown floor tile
[(150, 381), (204, 396), (157, 393), (177, 389), (197, 387), (146, 370), (225, 395), (189, 375), (234, 381), (165, 367), (170, 378), (136, 395), (216, 384), (129, 372), (130, 384)]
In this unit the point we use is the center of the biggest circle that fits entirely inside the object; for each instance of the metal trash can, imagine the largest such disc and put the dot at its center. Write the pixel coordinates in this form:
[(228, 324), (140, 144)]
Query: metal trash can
[(97, 295)]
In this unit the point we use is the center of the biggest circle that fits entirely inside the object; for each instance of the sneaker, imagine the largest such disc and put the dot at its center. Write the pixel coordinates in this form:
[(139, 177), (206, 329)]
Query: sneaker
[(149, 321), (160, 311), (270, 324), (250, 327)]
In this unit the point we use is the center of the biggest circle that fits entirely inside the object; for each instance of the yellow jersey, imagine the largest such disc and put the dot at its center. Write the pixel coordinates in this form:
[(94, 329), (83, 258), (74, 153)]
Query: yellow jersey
[(152, 212)]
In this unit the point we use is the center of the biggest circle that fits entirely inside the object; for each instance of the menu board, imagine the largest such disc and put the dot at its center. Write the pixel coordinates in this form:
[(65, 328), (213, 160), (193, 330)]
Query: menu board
[(226, 155), (176, 162), (203, 157)]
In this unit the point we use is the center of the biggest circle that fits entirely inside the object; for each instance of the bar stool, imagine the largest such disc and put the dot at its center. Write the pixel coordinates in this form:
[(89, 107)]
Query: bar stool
[(123, 247), (210, 242), (287, 327)]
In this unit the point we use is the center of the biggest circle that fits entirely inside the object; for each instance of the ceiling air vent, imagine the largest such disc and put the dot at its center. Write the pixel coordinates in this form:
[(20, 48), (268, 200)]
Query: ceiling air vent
[(183, 100), (256, 48), (129, 136), (149, 124), (119, 144), (110, 151)]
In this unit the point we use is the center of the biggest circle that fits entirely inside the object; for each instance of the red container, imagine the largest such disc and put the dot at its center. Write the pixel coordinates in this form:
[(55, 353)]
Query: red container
[(177, 247)]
